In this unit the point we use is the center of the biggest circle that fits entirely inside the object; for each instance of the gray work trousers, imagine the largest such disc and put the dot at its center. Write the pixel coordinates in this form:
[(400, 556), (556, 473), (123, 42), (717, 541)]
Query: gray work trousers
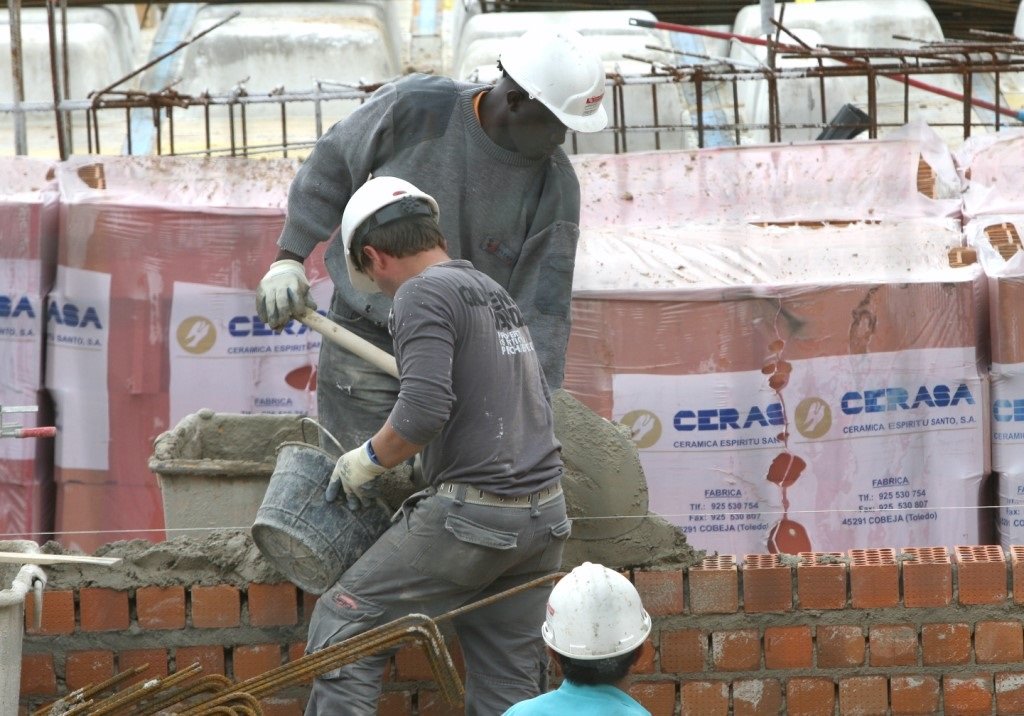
[(353, 397), (440, 554)]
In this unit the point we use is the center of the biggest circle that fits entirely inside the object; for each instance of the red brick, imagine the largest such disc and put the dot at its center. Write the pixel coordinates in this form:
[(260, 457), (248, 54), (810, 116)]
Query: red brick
[(432, 703), (215, 607), (927, 577), (998, 642), (707, 698), (37, 675), (788, 647), (981, 574), (864, 695), (767, 584), (967, 695), (160, 607), (255, 659), (810, 696), (395, 703), (296, 650), (738, 650), (756, 697), (683, 651), (842, 645), (658, 697), (714, 586), (645, 662), (155, 661), (273, 604), (58, 613), (103, 609), (1010, 693), (308, 604), (411, 664), (821, 580), (912, 695), (874, 578), (892, 645), (85, 668), (660, 592), (945, 644), (1017, 561), (281, 706), (209, 658)]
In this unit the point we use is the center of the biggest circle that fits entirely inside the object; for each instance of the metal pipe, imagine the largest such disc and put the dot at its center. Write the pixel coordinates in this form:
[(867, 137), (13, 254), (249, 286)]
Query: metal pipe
[(747, 39), (17, 76), (55, 79)]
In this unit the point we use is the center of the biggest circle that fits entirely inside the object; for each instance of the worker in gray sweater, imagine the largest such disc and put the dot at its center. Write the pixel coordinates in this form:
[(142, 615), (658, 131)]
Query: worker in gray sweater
[(474, 401), (509, 199)]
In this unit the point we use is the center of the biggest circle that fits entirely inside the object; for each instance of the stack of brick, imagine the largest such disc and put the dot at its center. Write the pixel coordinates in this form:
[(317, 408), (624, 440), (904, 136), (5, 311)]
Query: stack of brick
[(870, 631)]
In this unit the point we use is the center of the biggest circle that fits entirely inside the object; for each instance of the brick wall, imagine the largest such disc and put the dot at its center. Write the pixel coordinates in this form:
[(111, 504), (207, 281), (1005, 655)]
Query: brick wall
[(872, 631)]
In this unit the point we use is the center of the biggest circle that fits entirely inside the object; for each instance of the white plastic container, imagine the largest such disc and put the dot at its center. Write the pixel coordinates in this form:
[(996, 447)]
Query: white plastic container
[(21, 579)]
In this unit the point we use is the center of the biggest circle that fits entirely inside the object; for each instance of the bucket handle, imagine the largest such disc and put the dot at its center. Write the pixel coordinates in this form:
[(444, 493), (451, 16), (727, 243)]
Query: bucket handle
[(322, 429)]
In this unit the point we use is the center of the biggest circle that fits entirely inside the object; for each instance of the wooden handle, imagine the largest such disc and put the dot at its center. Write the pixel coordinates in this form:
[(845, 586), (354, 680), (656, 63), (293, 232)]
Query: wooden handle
[(30, 558), (350, 342)]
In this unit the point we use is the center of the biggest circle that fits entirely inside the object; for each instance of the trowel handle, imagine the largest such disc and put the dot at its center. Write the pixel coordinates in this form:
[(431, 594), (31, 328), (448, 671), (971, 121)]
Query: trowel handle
[(350, 342)]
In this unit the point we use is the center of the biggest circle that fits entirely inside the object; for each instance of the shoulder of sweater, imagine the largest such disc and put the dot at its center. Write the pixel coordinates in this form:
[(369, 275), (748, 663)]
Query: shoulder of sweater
[(418, 82)]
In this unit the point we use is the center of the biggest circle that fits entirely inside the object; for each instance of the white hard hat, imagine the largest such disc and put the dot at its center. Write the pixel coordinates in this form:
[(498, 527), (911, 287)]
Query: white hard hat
[(595, 613), (556, 67), (364, 212)]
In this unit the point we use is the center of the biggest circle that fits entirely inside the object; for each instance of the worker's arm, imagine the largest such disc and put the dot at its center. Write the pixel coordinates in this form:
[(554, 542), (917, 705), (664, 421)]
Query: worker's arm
[(341, 160), (391, 448), (541, 283)]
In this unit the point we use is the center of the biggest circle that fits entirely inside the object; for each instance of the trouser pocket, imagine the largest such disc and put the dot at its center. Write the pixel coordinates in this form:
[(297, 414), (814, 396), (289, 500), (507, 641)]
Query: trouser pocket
[(339, 614), (467, 553)]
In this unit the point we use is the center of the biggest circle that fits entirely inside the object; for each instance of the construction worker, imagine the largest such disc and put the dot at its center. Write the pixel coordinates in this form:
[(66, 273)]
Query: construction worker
[(472, 397), (595, 628), (509, 198)]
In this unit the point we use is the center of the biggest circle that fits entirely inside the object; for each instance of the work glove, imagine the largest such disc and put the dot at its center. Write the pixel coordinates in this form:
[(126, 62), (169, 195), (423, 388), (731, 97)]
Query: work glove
[(283, 293), (353, 473)]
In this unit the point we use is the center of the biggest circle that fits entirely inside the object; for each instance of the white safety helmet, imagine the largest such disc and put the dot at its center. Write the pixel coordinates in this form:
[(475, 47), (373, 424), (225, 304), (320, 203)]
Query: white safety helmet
[(595, 613), (379, 201), (556, 67)]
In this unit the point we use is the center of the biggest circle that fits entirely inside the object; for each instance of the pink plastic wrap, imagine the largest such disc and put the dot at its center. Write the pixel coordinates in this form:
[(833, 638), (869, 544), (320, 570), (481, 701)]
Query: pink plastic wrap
[(825, 181), (782, 409), (993, 167), (152, 317), (28, 243)]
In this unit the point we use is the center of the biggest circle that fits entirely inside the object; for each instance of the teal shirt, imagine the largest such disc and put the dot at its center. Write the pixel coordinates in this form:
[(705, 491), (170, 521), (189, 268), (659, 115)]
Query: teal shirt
[(601, 700)]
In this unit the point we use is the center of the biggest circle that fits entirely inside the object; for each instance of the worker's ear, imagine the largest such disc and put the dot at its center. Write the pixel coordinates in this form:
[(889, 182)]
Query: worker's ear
[(515, 98), (375, 259)]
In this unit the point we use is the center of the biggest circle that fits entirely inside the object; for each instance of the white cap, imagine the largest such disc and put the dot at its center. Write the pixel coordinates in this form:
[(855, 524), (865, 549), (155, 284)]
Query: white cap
[(595, 613), (556, 67), (363, 213)]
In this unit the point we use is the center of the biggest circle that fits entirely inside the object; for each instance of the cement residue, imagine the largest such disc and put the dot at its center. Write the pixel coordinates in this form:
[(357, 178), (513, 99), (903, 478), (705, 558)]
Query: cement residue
[(220, 557)]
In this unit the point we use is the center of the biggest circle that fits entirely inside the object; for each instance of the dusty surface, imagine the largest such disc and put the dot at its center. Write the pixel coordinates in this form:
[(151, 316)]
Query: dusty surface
[(222, 557)]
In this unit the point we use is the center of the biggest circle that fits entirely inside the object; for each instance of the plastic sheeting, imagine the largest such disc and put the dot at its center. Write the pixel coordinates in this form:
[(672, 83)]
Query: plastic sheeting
[(992, 166), (885, 180), (792, 416), (28, 241), (152, 318)]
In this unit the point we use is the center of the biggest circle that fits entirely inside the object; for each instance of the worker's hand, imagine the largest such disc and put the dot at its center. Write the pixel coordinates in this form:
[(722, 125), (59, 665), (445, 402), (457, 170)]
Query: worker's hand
[(352, 473), (283, 293)]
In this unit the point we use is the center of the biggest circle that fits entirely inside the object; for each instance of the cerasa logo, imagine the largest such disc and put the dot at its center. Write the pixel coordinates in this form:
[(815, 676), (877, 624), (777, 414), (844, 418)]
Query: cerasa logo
[(196, 334)]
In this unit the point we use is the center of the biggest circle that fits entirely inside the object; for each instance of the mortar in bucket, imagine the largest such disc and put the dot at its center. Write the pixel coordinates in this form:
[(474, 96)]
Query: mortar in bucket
[(309, 540)]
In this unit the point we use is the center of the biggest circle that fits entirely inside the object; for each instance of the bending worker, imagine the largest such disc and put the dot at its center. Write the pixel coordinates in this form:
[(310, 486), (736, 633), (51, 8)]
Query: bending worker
[(509, 198), (472, 392), (595, 627)]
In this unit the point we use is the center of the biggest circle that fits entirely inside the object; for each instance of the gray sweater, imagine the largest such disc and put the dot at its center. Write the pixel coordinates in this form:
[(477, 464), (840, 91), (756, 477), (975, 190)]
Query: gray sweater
[(471, 388), (515, 219)]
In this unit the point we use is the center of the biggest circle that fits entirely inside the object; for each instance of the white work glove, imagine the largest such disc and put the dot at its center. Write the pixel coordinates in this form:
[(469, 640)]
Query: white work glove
[(283, 293), (353, 471)]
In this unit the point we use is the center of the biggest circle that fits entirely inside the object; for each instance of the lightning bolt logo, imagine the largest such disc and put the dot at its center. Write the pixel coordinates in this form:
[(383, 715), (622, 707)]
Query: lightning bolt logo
[(196, 334)]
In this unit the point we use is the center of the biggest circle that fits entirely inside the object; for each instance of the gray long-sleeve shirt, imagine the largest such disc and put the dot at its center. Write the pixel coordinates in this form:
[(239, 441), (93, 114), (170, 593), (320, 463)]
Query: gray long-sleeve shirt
[(471, 387), (515, 219)]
